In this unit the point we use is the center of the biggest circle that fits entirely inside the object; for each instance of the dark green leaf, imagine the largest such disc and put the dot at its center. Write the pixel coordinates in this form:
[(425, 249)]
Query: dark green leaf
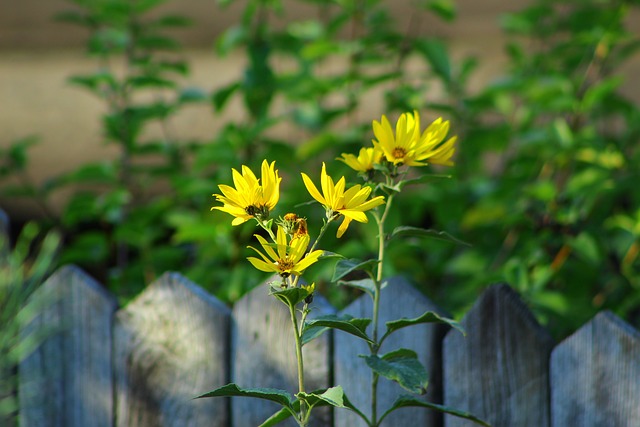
[(172, 21), (407, 231), (435, 52), (221, 96), (427, 317), (401, 366), (354, 326), (366, 285), (290, 296), (280, 416), (279, 396), (344, 267), (410, 401)]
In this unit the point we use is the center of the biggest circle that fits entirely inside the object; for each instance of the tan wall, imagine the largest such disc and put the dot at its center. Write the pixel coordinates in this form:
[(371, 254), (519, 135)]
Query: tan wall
[(37, 55)]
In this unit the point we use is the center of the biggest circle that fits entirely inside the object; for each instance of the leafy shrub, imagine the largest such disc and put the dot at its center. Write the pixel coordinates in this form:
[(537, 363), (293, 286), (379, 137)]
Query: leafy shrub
[(543, 188)]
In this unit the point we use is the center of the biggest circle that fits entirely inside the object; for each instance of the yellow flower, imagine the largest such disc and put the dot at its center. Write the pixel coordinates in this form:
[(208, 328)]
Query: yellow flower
[(428, 147), (351, 203), (250, 198), (398, 149), (409, 147), (367, 157), (286, 259)]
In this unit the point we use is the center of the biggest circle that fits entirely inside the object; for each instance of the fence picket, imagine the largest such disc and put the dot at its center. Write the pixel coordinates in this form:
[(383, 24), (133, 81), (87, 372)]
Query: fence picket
[(398, 299), (170, 345), (499, 371), (67, 381), (595, 375), (263, 355)]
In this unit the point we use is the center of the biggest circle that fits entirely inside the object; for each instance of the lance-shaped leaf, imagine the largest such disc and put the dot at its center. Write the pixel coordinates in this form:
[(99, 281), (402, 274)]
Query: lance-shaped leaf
[(420, 180), (354, 326), (401, 366), (275, 395), (407, 231), (290, 296), (346, 266), (427, 317), (407, 401), (365, 285)]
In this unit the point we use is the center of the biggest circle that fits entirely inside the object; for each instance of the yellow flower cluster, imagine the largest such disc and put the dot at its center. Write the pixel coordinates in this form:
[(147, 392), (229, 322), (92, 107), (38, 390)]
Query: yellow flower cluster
[(407, 146), (254, 198)]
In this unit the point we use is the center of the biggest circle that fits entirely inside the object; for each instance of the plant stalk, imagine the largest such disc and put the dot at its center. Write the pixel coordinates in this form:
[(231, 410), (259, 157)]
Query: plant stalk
[(376, 308), (296, 333)]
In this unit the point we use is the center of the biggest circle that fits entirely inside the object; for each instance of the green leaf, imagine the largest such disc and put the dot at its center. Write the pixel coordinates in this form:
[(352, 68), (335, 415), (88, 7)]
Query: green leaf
[(407, 231), (366, 285), (435, 52), (221, 96), (279, 396), (344, 267), (18, 152), (280, 416), (172, 21), (290, 296), (332, 396), (401, 366), (354, 326), (191, 94), (445, 9), (409, 401), (427, 317)]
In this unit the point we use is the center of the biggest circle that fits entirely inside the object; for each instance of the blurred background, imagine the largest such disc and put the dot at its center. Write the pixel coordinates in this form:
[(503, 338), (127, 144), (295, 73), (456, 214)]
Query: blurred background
[(120, 118)]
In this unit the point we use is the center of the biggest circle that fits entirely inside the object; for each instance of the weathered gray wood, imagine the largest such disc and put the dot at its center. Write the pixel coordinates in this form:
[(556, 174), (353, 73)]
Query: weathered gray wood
[(67, 381), (499, 371), (263, 355), (595, 375), (170, 345), (399, 299)]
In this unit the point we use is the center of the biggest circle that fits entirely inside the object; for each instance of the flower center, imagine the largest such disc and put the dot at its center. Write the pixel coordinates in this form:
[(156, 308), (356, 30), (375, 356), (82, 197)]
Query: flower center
[(284, 265), (399, 152), (260, 212)]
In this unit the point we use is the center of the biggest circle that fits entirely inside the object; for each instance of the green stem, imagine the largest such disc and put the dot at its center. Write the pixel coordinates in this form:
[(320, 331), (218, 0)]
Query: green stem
[(296, 333), (376, 307)]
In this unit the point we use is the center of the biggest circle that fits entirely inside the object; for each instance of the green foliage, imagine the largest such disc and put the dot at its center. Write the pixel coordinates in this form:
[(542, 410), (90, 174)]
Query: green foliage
[(544, 183), (538, 183), (22, 270)]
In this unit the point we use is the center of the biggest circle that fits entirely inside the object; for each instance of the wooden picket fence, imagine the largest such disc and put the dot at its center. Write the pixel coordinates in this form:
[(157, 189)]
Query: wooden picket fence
[(141, 365)]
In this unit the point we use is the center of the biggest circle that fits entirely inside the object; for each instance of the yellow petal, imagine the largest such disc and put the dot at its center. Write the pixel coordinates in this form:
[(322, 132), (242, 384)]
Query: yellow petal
[(311, 188), (263, 266), (343, 227)]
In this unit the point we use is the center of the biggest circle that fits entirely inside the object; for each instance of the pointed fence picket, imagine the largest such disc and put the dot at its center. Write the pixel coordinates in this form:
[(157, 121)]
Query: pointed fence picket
[(170, 344), (499, 371), (141, 365), (595, 375)]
